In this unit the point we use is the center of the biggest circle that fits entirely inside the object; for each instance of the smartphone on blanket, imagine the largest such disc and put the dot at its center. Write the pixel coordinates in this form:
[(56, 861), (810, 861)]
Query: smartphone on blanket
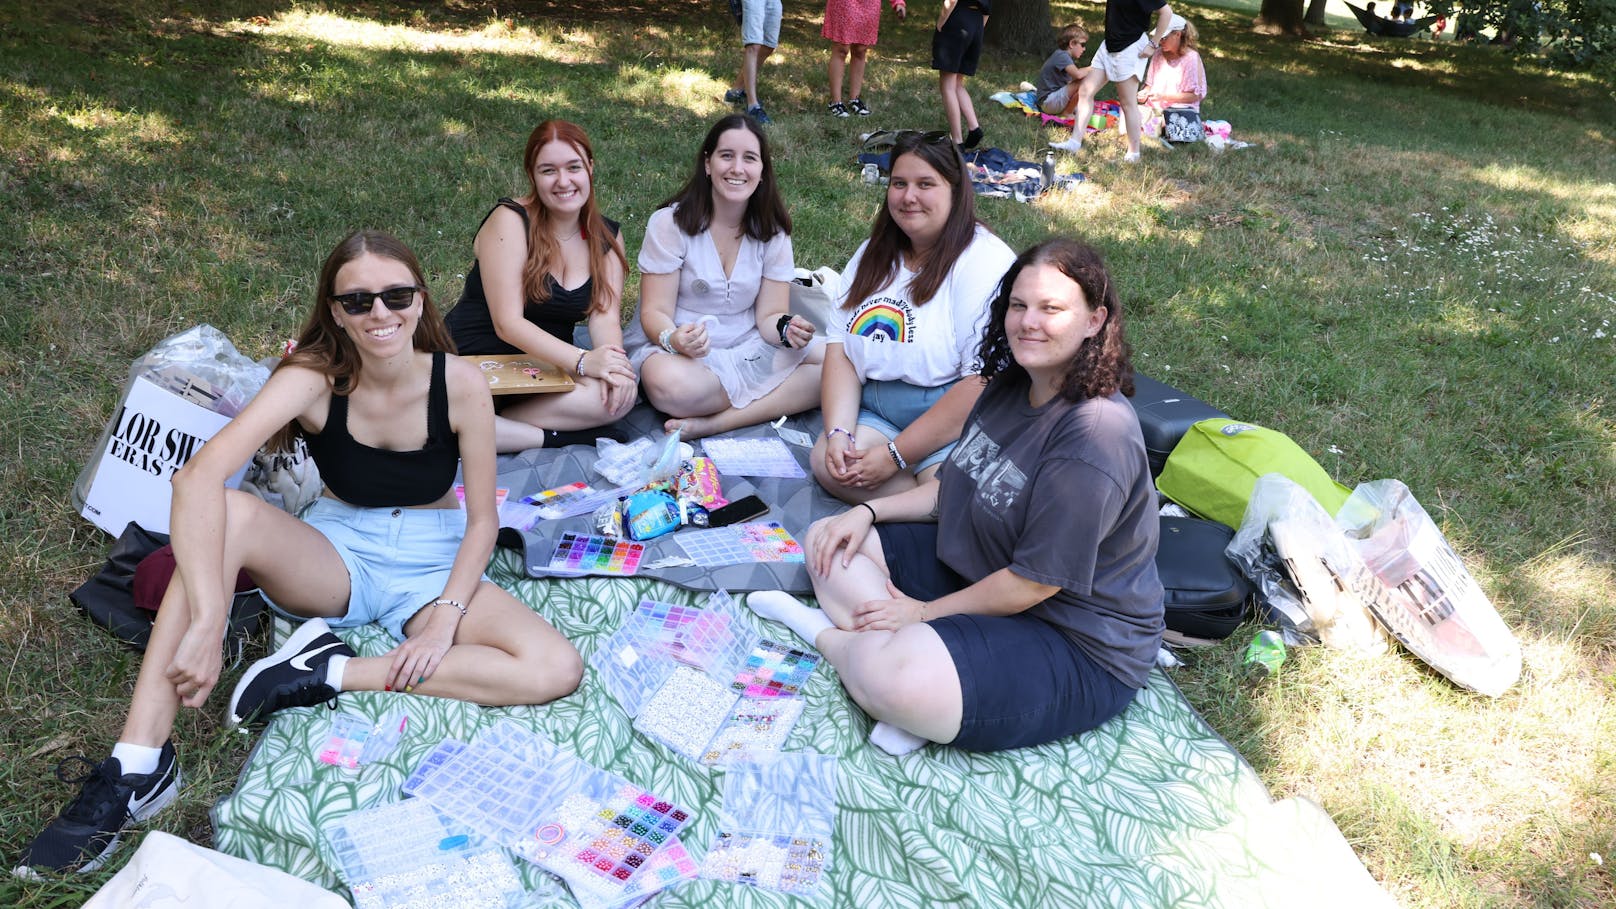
[(737, 511)]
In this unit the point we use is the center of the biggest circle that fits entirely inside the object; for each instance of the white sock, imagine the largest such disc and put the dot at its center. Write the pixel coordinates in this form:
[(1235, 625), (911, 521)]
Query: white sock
[(136, 758), (791, 612), (333, 671), (894, 741)]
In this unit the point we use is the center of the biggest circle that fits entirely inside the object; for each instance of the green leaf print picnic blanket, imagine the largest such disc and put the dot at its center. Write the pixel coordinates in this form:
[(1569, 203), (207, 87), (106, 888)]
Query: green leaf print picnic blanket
[(1151, 810)]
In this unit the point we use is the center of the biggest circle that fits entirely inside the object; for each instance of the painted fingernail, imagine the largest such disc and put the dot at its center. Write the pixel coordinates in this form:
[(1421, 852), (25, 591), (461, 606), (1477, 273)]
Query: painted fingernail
[(408, 688), (420, 680), (387, 687)]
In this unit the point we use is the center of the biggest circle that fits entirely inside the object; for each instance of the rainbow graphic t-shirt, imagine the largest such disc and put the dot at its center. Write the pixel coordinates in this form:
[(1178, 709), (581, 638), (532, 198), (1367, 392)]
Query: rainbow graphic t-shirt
[(883, 319)]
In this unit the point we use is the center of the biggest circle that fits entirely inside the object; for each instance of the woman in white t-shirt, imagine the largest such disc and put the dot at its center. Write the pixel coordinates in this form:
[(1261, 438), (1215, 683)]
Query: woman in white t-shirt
[(915, 299), (715, 345)]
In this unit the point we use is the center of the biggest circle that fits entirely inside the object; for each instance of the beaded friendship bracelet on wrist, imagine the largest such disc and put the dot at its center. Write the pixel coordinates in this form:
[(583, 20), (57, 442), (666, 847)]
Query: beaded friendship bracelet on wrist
[(579, 369), (665, 340), (445, 601), (838, 429), (892, 449)]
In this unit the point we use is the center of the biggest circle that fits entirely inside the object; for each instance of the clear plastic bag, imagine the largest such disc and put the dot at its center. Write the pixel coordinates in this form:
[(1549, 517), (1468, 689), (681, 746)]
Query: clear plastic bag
[(1295, 554), (1422, 592)]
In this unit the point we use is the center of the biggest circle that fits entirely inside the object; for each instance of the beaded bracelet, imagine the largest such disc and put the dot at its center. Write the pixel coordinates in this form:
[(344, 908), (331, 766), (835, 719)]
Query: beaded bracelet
[(579, 369), (892, 449), (665, 340), (445, 601), (850, 439)]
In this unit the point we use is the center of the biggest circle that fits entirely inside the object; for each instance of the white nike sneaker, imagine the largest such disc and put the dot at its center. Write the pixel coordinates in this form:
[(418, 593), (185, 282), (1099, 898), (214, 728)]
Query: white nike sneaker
[(293, 676)]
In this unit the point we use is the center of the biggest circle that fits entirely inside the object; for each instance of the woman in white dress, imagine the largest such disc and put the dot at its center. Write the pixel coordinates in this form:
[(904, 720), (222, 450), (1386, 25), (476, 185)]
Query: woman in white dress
[(715, 344)]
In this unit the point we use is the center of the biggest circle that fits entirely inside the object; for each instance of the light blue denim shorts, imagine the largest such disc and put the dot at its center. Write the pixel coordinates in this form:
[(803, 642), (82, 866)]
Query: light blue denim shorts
[(890, 405), (760, 22), (398, 559)]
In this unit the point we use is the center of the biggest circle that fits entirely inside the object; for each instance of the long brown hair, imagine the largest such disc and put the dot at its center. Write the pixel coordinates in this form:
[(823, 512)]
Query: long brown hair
[(1102, 364), (766, 213), (325, 348), (888, 242), (543, 253)]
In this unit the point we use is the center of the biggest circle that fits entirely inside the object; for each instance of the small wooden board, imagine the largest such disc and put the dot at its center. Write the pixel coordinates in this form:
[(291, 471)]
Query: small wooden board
[(520, 374)]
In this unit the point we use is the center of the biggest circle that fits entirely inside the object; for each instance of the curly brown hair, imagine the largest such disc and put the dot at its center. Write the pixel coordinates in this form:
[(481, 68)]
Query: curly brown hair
[(1102, 364), (325, 348)]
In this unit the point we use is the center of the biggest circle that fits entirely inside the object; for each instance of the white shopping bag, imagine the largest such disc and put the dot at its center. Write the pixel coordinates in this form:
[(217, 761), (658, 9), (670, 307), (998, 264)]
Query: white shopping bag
[(167, 872), (153, 434)]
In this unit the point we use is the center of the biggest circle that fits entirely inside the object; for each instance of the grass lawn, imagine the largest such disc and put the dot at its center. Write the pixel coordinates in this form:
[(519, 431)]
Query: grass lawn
[(1412, 272)]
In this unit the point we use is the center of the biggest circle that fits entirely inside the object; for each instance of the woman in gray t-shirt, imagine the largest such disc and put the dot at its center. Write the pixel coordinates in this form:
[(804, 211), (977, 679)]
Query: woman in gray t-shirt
[(1014, 600)]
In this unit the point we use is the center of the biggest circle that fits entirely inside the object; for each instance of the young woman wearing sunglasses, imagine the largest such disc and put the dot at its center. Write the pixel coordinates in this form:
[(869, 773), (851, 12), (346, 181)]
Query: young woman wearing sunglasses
[(546, 262), (915, 298), (388, 415)]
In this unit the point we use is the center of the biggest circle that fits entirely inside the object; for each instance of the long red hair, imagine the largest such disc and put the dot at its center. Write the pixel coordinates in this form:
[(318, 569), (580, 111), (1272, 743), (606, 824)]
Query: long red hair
[(543, 253)]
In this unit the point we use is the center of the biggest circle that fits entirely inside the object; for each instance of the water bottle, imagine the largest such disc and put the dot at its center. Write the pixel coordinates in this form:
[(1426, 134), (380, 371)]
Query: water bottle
[(1049, 169), (1264, 655)]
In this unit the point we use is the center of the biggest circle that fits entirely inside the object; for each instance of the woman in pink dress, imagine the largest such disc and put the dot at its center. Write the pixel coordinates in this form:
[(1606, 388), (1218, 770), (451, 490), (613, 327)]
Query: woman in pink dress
[(851, 27)]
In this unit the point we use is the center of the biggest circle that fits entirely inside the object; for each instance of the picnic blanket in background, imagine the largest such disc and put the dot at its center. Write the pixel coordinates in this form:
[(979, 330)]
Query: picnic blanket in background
[(1027, 103), (794, 503), (995, 173), (1151, 810)]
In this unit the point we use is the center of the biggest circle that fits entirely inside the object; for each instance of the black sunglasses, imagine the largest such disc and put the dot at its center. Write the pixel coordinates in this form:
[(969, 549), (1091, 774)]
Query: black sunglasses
[(360, 302), (915, 137)]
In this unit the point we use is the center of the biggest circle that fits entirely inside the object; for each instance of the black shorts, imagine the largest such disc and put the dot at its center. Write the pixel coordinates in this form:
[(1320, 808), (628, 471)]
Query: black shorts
[(957, 46), (1022, 680)]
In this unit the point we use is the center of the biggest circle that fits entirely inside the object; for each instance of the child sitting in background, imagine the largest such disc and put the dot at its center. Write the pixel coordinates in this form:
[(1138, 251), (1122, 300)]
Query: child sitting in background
[(1060, 76)]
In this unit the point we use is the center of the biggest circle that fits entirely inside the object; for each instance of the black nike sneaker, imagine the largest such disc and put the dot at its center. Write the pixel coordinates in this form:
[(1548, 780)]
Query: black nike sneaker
[(293, 676), (87, 831)]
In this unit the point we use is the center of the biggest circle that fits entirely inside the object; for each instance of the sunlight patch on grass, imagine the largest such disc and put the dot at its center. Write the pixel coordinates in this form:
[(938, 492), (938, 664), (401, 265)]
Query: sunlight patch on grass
[(689, 89), (495, 38)]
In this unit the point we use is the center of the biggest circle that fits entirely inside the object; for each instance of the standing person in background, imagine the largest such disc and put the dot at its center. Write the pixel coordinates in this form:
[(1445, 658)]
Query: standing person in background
[(851, 27), (760, 34), (956, 48), (546, 262), (1130, 42)]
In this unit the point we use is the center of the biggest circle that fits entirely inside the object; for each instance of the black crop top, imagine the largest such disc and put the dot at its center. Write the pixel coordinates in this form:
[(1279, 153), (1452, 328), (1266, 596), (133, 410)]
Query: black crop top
[(380, 478), (472, 326)]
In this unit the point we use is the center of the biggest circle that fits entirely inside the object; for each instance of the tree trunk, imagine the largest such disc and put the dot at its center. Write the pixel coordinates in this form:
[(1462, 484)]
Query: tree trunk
[(1281, 16), (1315, 13), (1021, 26)]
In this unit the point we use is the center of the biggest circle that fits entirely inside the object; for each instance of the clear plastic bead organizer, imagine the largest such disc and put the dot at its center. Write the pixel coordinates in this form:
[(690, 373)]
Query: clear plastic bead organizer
[(687, 711), (755, 728), (355, 740), (590, 827), (408, 854), (706, 638), (603, 834), (439, 756), (500, 784), (776, 824)]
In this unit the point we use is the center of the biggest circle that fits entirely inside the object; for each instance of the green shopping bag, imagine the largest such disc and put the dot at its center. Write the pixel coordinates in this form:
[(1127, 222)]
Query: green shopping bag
[(1212, 470)]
